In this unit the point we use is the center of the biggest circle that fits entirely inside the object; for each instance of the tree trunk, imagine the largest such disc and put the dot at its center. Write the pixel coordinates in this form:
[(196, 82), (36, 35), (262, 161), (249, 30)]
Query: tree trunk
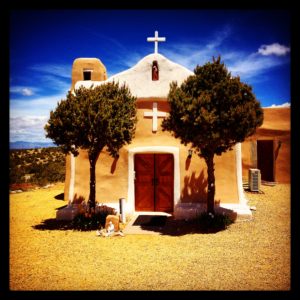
[(92, 197), (210, 184)]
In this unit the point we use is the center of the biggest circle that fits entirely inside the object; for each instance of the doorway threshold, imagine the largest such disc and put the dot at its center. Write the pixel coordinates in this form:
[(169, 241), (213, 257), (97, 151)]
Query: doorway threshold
[(132, 228), (153, 213)]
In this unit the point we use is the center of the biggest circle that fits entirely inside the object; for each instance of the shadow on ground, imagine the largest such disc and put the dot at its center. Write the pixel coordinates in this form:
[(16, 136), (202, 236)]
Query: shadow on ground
[(150, 220), (170, 226), (61, 207), (164, 225), (60, 196), (53, 224)]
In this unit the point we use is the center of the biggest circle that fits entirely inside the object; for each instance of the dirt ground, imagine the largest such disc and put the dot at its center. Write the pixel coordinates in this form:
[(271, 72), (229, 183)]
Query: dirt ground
[(249, 255)]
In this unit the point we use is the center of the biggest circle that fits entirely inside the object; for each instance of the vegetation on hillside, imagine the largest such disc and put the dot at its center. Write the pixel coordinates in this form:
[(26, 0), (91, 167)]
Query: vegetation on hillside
[(36, 166)]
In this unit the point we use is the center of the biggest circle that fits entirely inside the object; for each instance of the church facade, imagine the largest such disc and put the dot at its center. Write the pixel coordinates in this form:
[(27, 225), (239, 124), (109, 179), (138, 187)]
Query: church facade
[(155, 173)]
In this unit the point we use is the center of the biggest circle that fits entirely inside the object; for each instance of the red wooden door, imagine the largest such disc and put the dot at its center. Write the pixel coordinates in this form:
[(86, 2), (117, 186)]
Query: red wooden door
[(144, 182), (154, 180), (164, 188)]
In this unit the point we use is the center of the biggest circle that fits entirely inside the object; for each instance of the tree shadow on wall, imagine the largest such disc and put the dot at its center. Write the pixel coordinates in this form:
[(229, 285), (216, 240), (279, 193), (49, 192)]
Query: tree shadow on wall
[(194, 189), (279, 143), (187, 163), (114, 165)]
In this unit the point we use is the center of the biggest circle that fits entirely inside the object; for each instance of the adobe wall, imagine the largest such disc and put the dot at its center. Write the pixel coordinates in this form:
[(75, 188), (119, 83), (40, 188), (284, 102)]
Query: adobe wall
[(112, 174), (276, 126)]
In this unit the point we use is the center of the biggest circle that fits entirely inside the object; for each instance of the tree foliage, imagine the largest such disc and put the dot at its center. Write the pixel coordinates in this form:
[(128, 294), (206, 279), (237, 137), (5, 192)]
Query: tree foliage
[(91, 119), (212, 111)]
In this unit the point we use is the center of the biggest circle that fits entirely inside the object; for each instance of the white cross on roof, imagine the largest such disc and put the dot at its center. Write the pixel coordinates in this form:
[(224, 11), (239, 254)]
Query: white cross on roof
[(156, 39)]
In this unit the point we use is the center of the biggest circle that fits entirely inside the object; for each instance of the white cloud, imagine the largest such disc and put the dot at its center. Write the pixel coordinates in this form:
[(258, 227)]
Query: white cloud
[(238, 63), (22, 90), (122, 61), (29, 113), (29, 116), (186, 54), (55, 82), (27, 92), (246, 65), (192, 54), (61, 70), (39, 106), (28, 128), (273, 49), (219, 37), (252, 65), (286, 104)]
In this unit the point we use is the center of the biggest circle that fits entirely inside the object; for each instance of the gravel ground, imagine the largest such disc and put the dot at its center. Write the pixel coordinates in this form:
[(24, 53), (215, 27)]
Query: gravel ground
[(249, 255)]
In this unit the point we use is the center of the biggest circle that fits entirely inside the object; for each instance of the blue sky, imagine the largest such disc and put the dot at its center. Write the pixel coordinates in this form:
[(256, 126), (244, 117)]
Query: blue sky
[(253, 44)]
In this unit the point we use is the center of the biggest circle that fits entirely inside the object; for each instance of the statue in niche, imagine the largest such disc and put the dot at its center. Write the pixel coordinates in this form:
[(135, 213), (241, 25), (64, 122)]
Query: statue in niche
[(154, 70)]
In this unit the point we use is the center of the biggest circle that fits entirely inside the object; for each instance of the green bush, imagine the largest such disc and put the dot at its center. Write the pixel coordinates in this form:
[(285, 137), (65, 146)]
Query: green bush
[(213, 223)]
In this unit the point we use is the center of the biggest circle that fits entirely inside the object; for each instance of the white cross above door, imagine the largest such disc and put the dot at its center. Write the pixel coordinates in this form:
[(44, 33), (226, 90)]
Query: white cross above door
[(155, 114)]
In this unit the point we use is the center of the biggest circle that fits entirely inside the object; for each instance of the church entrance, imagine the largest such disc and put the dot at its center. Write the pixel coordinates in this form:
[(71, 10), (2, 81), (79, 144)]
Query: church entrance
[(265, 159), (154, 182)]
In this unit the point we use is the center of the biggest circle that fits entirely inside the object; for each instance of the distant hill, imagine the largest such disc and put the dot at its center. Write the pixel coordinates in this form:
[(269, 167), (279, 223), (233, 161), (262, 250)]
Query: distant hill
[(30, 145)]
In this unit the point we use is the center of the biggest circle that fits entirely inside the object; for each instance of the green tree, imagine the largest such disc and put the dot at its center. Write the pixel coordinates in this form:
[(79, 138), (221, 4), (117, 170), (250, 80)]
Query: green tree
[(91, 119), (212, 111)]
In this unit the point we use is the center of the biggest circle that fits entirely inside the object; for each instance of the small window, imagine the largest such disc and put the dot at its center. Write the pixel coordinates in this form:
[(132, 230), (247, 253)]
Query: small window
[(87, 75), (155, 70)]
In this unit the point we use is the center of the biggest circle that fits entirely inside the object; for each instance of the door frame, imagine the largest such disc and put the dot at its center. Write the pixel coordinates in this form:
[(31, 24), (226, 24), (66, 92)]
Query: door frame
[(152, 149)]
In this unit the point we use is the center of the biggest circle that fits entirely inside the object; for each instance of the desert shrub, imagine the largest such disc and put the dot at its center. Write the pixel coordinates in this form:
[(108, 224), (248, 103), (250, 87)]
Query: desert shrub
[(24, 162), (87, 222), (212, 223), (22, 186), (16, 174), (41, 181)]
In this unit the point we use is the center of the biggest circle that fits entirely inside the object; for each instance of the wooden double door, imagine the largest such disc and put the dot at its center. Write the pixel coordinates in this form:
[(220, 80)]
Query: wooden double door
[(154, 182)]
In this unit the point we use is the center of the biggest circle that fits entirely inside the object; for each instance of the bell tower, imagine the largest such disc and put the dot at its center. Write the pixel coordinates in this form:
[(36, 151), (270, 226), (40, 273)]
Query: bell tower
[(87, 69)]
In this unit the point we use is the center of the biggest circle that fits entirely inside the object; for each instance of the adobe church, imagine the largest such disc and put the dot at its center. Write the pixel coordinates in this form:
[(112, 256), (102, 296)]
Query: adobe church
[(155, 173)]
